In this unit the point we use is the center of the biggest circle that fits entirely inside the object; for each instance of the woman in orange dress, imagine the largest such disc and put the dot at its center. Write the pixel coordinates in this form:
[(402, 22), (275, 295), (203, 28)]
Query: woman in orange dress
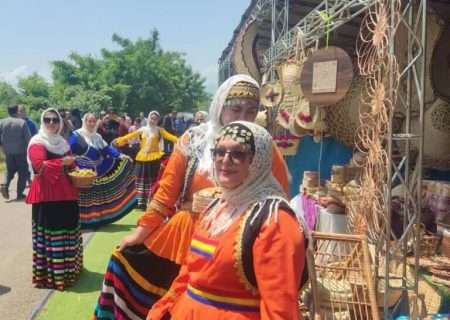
[(247, 252), (142, 269)]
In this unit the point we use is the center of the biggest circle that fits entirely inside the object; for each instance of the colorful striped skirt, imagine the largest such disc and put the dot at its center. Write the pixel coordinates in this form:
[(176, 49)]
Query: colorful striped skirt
[(111, 196), (146, 173), (57, 244), (140, 275)]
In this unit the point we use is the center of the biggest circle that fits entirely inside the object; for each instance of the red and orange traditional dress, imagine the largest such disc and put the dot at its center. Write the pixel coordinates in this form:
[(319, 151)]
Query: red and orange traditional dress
[(140, 275), (213, 285), (57, 242)]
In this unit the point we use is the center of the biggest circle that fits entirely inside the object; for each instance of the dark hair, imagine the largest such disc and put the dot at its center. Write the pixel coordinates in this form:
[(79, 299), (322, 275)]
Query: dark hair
[(12, 110)]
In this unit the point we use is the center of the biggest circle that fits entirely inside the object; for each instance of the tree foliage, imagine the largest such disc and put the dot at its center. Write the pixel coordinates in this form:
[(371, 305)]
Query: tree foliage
[(138, 76), (8, 97)]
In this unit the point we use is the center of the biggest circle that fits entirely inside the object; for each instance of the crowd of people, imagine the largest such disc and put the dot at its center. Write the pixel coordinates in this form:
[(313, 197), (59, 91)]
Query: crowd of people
[(242, 257)]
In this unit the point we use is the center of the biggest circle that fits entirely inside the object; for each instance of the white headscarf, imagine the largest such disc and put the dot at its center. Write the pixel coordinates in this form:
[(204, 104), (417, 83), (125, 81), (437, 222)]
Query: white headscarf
[(92, 138), (259, 186), (53, 142), (150, 131), (205, 133)]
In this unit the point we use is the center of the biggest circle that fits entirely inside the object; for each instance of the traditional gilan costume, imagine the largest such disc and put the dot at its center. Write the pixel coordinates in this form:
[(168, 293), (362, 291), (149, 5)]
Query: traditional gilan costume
[(113, 192), (57, 242), (247, 254), (149, 156), (141, 274)]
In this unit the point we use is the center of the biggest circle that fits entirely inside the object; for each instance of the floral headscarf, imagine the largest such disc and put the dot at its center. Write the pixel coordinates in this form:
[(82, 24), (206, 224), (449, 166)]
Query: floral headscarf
[(259, 186)]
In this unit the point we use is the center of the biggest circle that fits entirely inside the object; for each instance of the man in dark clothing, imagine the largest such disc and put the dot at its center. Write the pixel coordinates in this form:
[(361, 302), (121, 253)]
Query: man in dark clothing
[(14, 138), (22, 113), (169, 125), (75, 118)]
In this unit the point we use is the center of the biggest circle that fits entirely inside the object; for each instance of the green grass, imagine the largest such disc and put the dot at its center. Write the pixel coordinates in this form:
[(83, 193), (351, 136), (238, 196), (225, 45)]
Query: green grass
[(79, 301)]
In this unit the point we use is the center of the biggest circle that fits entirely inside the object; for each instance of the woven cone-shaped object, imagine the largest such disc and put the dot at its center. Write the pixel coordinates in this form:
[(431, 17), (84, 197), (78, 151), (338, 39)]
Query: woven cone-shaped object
[(343, 118), (436, 136), (290, 99), (290, 73)]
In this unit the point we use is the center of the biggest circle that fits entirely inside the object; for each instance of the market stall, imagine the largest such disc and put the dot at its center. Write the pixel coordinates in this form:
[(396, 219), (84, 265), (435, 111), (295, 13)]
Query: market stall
[(362, 115)]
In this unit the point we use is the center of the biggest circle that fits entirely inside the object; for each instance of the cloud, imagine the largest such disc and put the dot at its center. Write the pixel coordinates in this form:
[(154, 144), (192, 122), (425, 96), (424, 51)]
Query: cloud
[(13, 76)]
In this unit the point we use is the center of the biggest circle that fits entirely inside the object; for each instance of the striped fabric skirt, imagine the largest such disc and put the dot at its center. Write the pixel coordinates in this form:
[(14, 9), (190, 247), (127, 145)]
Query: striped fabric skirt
[(57, 244), (135, 279), (111, 197), (146, 173), (140, 275)]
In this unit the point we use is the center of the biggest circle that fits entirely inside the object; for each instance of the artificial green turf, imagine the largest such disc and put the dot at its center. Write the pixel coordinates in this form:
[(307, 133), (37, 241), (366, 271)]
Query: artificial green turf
[(78, 302)]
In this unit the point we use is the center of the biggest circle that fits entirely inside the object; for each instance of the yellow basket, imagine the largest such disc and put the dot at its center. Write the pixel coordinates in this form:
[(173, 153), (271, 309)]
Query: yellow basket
[(82, 182)]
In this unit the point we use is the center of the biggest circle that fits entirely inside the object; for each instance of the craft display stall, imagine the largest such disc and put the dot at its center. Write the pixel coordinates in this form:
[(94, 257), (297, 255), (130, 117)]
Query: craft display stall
[(356, 95)]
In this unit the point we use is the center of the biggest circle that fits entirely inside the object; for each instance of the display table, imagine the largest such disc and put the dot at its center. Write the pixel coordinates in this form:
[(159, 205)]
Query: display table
[(316, 217)]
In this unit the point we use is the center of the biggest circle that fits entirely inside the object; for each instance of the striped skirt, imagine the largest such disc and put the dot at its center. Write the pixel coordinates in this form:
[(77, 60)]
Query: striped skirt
[(140, 275), (135, 279), (111, 196), (57, 244), (146, 173)]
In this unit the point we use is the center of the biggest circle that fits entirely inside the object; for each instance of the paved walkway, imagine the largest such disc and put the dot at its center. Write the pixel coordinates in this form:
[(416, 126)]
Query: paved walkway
[(18, 298)]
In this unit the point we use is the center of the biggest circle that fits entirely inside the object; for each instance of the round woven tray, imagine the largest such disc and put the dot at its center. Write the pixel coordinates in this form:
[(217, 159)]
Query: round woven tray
[(82, 182)]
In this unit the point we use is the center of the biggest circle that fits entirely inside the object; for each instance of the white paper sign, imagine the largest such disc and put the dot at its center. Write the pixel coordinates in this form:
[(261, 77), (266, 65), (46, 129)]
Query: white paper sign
[(324, 77)]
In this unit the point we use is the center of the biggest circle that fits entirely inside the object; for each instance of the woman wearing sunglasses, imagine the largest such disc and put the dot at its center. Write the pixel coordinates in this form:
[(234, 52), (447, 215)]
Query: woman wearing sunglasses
[(57, 242), (113, 193), (148, 260), (247, 252)]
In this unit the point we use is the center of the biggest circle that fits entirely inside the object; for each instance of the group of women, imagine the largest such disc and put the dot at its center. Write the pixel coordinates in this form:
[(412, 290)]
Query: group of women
[(240, 258)]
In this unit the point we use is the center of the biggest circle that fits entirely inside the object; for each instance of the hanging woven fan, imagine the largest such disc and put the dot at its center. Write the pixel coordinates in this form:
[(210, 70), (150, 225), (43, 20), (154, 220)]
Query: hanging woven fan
[(272, 94), (244, 55)]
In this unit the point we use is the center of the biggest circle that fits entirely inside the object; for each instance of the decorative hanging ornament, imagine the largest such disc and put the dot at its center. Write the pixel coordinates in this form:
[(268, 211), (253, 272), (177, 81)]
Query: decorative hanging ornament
[(326, 76), (271, 94)]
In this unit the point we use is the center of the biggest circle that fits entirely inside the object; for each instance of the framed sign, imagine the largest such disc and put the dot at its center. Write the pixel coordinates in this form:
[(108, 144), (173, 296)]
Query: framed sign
[(324, 77)]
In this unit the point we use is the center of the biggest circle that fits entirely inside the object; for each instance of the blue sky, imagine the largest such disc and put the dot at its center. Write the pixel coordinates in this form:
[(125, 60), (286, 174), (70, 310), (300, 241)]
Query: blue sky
[(35, 32)]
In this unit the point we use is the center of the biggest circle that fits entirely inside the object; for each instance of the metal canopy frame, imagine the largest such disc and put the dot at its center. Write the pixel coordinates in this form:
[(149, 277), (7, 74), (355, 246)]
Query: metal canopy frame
[(412, 77), (408, 172), (313, 27)]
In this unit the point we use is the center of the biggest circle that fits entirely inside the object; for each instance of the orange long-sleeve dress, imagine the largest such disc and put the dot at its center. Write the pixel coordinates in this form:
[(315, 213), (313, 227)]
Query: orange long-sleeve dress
[(140, 275), (211, 284)]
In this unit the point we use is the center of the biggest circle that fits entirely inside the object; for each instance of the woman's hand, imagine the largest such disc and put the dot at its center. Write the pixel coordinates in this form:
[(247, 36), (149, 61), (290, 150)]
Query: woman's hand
[(125, 157), (68, 160), (137, 237)]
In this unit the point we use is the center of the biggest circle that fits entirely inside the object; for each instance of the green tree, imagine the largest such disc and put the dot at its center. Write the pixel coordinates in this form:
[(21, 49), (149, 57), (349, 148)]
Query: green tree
[(139, 76), (34, 92), (8, 97)]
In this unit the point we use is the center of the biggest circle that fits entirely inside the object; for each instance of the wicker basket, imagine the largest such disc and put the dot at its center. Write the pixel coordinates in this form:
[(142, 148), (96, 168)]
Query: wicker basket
[(82, 182), (429, 243)]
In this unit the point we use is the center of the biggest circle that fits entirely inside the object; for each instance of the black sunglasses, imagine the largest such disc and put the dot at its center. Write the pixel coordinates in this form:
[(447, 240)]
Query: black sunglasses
[(51, 120), (236, 156)]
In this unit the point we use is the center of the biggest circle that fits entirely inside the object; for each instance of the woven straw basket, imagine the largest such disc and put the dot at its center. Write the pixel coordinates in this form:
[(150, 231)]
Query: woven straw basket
[(82, 182)]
